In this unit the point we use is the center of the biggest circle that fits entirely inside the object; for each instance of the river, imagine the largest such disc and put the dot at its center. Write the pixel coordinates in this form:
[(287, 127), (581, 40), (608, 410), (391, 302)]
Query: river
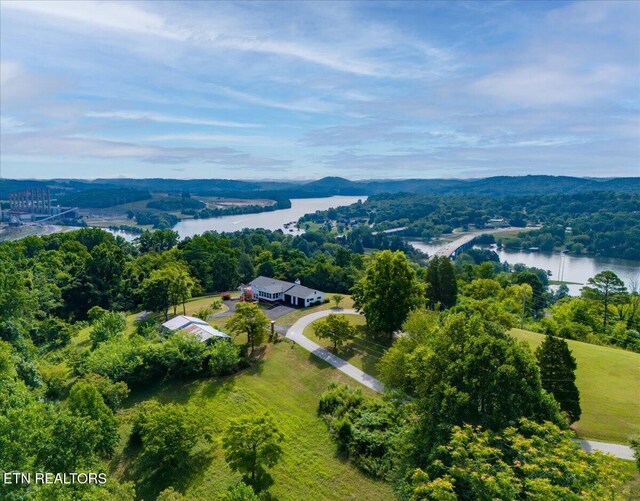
[(562, 266), (273, 220)]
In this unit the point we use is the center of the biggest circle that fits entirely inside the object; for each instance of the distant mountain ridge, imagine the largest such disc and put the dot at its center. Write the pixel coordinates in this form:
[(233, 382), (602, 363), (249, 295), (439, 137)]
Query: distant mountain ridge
[(329, 186)]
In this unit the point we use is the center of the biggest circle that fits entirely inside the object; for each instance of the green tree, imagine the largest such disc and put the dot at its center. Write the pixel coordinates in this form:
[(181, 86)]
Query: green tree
[(335, 328), (251, 445), (606, 288), (181, 287), (442, 289), (107, 326), (539, 300), (246, 270), (337, 299), (171, 285), (224, 358), (557, 372), (70, 444), (112, 393), (388, 291), (85, 401), (526, 461), (168, 434), (156, 292), (157, 241), (249, 319), (467, 370)]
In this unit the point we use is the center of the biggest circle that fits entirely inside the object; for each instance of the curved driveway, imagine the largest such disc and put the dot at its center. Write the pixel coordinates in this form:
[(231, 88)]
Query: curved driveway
[(295, 333)]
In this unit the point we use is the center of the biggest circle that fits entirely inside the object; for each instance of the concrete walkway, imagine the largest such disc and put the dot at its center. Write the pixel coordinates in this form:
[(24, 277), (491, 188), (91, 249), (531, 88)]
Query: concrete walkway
[(295, 333), (617, 450)]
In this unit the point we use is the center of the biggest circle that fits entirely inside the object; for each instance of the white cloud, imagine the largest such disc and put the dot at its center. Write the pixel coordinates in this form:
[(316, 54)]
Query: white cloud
[(310, 105), (9, 125), (158, 117), (28, 144), (251, 140), (112, 15), (549, 84)]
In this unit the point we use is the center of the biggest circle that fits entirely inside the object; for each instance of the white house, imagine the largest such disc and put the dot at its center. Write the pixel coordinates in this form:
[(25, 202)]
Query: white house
[(273, 290), (195, 326)]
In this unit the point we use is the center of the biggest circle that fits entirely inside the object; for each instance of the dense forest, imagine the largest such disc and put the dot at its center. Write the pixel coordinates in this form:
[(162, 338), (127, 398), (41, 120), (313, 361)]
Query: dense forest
[(492, 186), (102, 198), (62, 392), (600, 223)]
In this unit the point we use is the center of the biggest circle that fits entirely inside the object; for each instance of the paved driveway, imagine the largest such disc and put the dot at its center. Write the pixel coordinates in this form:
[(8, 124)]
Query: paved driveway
[(278, 311), (295, 334), (273, 313), (231, 304)]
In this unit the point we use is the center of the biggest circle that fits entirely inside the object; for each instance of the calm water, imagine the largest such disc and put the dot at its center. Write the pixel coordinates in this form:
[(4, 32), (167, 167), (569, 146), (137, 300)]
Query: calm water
[(569, 268), (273, 220)]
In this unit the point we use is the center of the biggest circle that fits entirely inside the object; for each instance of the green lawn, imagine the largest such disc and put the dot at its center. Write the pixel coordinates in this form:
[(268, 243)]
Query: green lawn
[(287, 383), (361, 351), (290, 318), (608, 380)]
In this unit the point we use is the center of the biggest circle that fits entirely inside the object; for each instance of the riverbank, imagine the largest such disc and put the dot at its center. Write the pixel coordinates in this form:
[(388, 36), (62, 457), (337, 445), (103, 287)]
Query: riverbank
[(572, 270)]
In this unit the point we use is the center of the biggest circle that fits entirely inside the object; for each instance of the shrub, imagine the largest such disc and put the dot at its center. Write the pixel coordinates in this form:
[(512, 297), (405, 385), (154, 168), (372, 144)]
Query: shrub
[(204, 313), (182, 355), (56, 379), (112, 393), (107, 326), (224, 358), (338, 399)]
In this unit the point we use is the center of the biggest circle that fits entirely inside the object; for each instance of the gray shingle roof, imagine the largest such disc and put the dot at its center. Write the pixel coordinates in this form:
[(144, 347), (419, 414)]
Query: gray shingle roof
[(300, 291), (268, 282)]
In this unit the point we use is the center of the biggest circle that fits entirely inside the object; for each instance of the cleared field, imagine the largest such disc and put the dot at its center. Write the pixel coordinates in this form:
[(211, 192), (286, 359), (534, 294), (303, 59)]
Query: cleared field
[(287, 382), (609, 382)]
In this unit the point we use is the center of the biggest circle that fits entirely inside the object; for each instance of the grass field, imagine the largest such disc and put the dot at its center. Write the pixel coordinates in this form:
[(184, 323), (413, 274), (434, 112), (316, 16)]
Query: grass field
[(287, 383), (609, 382), (361, 351)]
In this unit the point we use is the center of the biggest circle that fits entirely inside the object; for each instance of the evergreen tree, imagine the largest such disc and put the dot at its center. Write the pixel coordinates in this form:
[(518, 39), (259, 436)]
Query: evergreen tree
[(606, 288), (557, 371), (442, 289)]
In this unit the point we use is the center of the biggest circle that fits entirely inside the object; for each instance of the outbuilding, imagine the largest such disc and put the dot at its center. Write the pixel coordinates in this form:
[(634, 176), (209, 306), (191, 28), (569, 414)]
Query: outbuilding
[(194, 325)]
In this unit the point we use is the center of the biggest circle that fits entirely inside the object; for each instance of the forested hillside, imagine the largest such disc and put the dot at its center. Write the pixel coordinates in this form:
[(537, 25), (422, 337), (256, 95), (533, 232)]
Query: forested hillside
[(600, 223), (329, 186)]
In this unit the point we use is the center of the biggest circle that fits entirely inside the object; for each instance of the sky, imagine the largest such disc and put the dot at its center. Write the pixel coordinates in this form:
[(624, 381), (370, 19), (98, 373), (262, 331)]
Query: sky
[(303, 90)]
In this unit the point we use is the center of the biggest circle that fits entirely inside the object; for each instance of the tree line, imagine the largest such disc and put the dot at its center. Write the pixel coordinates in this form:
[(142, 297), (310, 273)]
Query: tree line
[(596, 223)]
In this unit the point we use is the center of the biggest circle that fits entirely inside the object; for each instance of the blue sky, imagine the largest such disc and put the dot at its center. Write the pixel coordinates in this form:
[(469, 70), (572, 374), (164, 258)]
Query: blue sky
[(301, 90)]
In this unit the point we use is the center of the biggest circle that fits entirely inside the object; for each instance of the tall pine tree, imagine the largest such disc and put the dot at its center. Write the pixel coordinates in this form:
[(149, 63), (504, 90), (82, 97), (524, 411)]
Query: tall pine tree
[(442, 289), (557, 371)]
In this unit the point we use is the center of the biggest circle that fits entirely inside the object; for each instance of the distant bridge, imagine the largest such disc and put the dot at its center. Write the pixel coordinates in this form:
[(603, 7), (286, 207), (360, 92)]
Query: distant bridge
[(452, 249), (392, 230)]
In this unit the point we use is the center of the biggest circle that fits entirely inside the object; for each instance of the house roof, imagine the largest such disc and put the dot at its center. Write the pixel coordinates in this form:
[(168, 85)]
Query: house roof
[(300, 291), (290, 288), (194, 325), (271, 282)]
